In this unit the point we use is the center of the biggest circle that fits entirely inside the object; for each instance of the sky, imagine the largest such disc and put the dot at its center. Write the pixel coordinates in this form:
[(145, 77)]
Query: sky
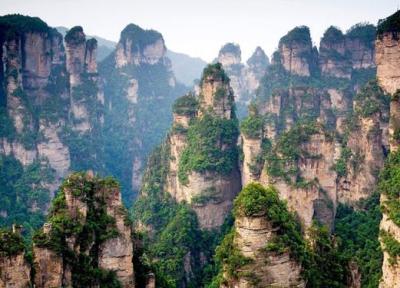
[(199, 28)]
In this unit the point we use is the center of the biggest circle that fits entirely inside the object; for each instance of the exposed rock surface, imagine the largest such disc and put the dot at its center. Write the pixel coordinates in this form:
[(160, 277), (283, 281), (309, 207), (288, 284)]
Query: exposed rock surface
[(14, 271), (253, 234), (139, 81), (114, 253), (297, 55), (245, 79), (216, 99), (388, 65), (283, 104)]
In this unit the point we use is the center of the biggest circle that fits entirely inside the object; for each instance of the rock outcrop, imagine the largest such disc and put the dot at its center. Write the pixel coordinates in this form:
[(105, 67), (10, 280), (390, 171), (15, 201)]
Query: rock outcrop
[(139, 81), (15, 270), (340, 53), (85, 200), (332, 54), (290, 142), (296, 53), (52, 99), (245, 79), (387, 60), (209, 190), (252, 239)]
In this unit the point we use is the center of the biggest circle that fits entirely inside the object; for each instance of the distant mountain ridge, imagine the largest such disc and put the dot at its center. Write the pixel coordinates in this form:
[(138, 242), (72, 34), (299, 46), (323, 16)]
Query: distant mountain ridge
[(186, 68)]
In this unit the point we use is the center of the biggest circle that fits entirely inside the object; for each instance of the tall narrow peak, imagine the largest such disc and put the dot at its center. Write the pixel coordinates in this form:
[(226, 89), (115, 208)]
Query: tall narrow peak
[(230, 54), (190, 183), (86, 240), (296, 52), (360, 45), (244, 79), (139, 80), (258, 61), (388, 62), (253, 254), (204, 171), (332, 54), (305, 112), (33, 94), (138, 46), (87, 234), (388, 66)]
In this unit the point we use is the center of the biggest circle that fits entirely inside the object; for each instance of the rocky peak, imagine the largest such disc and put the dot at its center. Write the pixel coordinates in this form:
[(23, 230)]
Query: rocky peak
[(137, 46), (90, 56), (388, 64), (258, 60), (230, 54), (15, 270), (216, 96), (81, 54), (388, 55), (332, 60), (388, 74), (360, 45), (254, 240), (98, 232), (297, 54)]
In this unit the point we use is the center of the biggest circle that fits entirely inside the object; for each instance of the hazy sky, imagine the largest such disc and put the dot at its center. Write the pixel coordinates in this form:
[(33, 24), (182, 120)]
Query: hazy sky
[(201, 27)]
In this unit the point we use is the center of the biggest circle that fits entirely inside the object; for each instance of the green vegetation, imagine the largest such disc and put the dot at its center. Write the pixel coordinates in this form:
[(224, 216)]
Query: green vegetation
[(90, 232), (357, 233), (229, 258), (390, 24), (364, 32), (10, 243), (175, 231), (341, 164), (21, 189), (75, 36), (186, 105), (139, 36), (252, 126), (300, 34), (371, 99), (333, 35), (281, 159), (322, 264), (389, 185), (215, 72), (15, 25), (211, 146), (390, 245)]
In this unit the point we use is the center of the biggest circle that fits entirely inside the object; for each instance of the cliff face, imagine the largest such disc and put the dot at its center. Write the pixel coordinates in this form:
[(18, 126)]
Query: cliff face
[(252, 240), (14, 268), (245, 79), (290, 141), (341, 53), (209, 190), (332, 54), (297, 55), (84, 83), (253, 234), (387, 56), (139, 81), (84, 200), (86, 241), (51, 103)]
